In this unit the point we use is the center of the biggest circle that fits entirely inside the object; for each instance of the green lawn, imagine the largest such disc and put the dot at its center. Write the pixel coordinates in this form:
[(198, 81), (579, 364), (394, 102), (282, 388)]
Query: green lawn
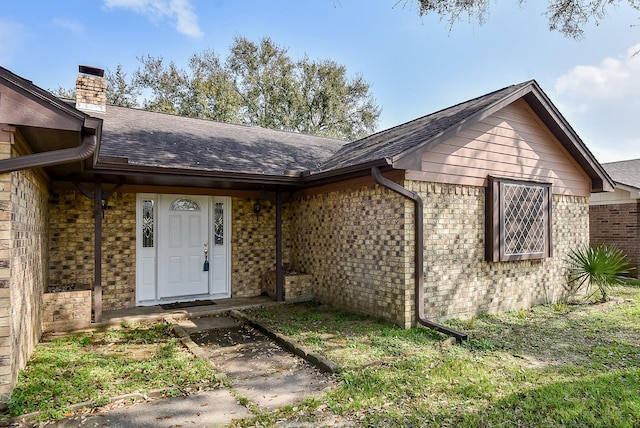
[(97, 365), (553, 366)]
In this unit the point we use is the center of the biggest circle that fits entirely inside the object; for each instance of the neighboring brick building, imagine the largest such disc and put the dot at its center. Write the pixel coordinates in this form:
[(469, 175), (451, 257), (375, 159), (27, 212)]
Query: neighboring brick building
[(614, 218), (470, 209)]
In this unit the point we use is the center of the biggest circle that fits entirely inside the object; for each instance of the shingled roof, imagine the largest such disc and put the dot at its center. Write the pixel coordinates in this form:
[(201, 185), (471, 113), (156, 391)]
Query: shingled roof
[(156, 140), (625, 172)]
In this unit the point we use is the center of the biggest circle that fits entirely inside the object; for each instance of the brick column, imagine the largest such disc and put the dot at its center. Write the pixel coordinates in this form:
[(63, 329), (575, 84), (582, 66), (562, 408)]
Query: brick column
[(23, 263), (6, 136)]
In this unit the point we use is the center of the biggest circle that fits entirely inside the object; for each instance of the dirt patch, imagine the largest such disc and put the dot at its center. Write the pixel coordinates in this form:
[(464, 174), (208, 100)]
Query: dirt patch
[(257, 368)]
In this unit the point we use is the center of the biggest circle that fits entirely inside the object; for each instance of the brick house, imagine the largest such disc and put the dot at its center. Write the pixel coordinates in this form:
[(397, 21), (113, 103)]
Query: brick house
[(469, 209), (614, 218)]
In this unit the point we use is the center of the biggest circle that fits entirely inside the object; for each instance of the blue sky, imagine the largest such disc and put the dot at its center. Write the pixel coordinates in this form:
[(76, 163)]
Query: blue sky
[(415, 65)]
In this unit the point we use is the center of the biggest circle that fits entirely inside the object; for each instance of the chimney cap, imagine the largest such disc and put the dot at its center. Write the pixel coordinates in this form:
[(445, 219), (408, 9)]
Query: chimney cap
[(93, 71)]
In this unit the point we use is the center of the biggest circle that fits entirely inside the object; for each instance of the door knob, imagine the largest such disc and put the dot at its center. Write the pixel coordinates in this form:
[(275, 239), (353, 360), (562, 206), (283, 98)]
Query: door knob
[(206, 258)]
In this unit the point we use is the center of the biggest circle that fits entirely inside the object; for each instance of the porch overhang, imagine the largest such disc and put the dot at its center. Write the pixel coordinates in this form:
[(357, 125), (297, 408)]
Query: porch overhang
[(52, 132), (140, 177)]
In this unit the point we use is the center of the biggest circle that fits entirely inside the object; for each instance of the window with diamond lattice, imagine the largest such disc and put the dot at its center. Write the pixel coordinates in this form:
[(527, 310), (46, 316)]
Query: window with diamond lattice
[(518, 220)]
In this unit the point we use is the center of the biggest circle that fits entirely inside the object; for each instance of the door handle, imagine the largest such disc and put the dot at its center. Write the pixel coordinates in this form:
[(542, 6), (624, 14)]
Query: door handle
[(206, 258)]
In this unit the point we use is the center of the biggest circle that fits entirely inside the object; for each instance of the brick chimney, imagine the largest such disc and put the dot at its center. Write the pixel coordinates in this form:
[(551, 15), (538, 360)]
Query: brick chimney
[(91, 89)]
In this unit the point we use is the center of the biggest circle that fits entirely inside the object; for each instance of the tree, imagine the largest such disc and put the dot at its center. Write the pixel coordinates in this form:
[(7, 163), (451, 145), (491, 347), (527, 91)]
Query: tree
[(168, 85), (119, 92), (61, 92), (212, 94), (264, 77), (258, 85), (332, 105), (567, 16)]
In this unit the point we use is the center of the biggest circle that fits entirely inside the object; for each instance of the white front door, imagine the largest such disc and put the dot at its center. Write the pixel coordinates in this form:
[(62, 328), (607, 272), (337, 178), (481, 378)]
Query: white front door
[(183, 249), (183, 237)]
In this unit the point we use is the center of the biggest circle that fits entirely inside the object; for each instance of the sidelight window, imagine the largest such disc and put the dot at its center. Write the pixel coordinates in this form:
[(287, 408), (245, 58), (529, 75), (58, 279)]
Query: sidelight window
[(218, 223), (147, 223)]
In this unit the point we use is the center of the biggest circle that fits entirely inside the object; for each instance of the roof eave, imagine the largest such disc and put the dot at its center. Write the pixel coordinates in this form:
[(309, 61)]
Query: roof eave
[(121, 168)]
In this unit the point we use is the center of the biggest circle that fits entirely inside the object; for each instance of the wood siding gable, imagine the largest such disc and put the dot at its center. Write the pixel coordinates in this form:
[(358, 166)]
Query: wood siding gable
[(511, 142)]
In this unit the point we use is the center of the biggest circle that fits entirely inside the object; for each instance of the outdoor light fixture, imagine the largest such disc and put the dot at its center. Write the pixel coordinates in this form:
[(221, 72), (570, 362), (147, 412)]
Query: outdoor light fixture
[(257, 207)]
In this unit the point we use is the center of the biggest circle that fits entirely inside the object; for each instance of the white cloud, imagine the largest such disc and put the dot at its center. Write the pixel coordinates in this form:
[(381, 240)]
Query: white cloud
[(621, 150), (181, 11), (612, 79), (601, 102), (67, 24), (12, 36)]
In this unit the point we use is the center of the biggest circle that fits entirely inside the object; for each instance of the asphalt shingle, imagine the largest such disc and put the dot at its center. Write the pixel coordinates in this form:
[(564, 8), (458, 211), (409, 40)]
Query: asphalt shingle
[(624, 172), (154, 139)]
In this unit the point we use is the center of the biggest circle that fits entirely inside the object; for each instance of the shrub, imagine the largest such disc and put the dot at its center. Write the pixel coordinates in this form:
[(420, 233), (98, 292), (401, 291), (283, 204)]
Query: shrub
[(603, 266)]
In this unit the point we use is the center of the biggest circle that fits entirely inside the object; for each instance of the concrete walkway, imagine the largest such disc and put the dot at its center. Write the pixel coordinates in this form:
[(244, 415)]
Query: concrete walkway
[(205, 409), (258, 371)]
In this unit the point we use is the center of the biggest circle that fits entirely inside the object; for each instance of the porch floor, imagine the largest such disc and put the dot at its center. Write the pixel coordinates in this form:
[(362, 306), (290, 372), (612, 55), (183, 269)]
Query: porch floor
[(155, 313)]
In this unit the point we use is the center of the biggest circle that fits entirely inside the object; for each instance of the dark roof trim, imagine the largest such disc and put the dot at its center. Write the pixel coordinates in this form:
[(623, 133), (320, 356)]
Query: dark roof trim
[(550, 116), (353, 171), (121, 167)]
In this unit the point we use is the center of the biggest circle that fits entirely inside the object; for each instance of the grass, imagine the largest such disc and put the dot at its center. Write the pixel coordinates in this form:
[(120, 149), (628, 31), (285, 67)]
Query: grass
[(553, 365), (97, 365)]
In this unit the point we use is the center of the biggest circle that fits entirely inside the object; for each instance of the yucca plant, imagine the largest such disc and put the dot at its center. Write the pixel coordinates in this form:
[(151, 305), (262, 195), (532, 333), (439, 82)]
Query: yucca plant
[(603, 266)]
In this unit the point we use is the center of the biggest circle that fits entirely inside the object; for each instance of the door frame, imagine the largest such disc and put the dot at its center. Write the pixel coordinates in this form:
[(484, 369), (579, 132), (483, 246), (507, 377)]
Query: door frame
[(146, 287)]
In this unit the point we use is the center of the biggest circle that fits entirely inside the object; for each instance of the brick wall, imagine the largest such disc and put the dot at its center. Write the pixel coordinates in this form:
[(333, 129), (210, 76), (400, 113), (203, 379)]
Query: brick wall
[(6, 343), (459, 283), (119, 252), (71, 246), (253, 248), (23, 262), (70, 240), (619, 225), (68, 310), (356, 245)]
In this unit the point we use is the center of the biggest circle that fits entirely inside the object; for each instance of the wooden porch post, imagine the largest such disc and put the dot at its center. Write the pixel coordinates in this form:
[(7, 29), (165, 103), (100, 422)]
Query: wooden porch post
[(97, 251)]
